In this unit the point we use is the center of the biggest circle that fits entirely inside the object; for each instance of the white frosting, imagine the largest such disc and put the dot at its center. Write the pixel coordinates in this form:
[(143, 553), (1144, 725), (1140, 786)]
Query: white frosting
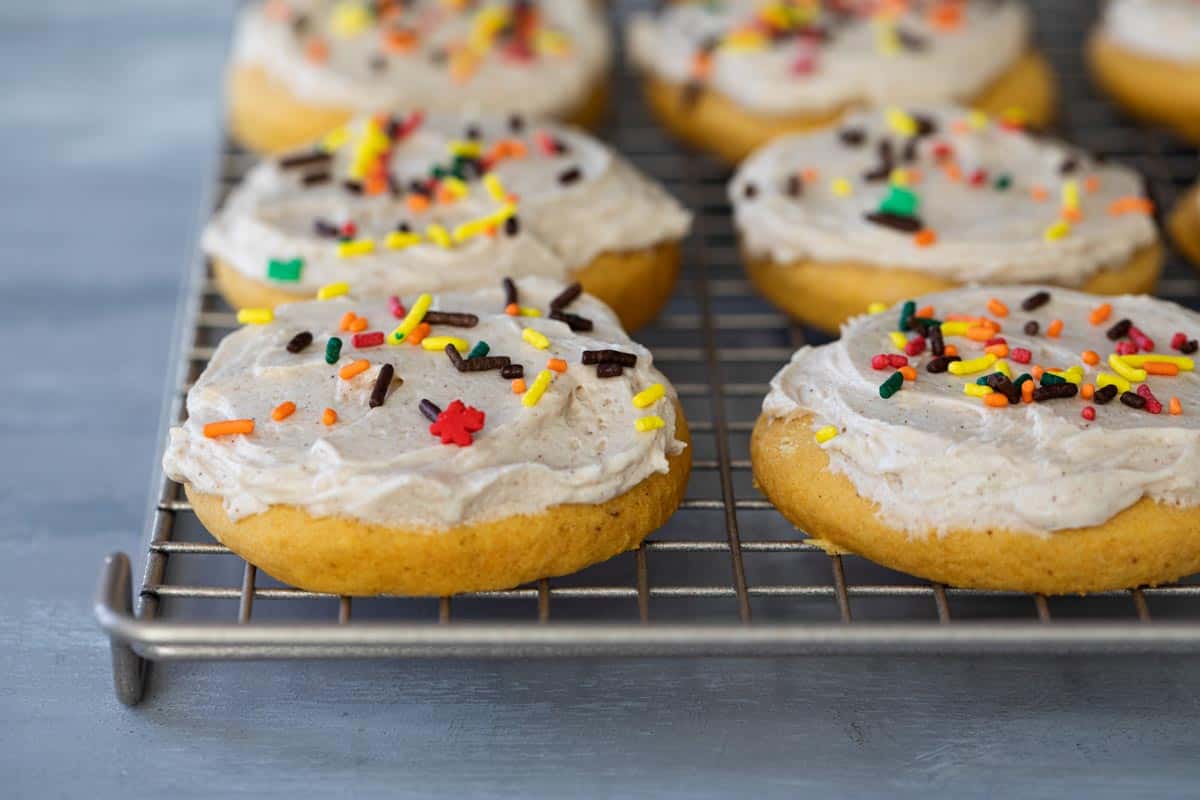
[(382, 465), (934, 458), (983, 233), (552, 84), (850, 66), (610, 208), (1167, 29)]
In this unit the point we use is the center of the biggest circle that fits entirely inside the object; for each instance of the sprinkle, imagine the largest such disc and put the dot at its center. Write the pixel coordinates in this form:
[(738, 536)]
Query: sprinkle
[(1035, 301), (355, 247), (999, 350), (899, 340), (480, 350), (1182, 362), (328, 417), (1051, 379), (977, 390), (419, 333), (1122, 368), (1100, 313), (529, 311), (1088, 413), (841, 187), (430, 409), (1152, 404), (255, 316), (1027, 390), (900, 122), (1140, 339), (354, 368), (285, 271), (1056, 391), (283, 411), (228, 427), (400, 240), (1003, 368), (609, 357), (979, 333), (915, 346), (649, 396), (332, 290), (1126, 348), (411, 320), (1054, 328), (1133, 400), (1106, 379), (1057, 231), (299, 342), (1020, 355), (826, 433), (556, 364), (896, 222), (383, 382), (1131, 205), (456, 424), (941, 363), (540, 384), (1031, 328), (333, 350), (454, 319), (996, 400), (357, 325), (1105, 394), (877, 308), (1160, 368), (925, 238), (997, 308), (513, 310), (535, 338), (1175, 407), (440, 342), (566, 296), (1119, 330), (973, 365), (512, 371), (573, 321), (891, 385), (372, 339), (1090, 357)]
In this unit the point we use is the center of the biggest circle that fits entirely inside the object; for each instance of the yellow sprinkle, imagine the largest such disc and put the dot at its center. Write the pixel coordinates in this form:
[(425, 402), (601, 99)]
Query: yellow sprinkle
[(898, 339), (1129, 373), (841, 187), (411, 320), (535, 392), (901, 122), (335, 139), (1108, 379), (467, 149), (440, 342), (456, 186), (973, 365), (649, 396), (355, 247), (255, 316), (1073, 375), (500, 216), (978, 120), (954, 328), (1003, 368), (527, 311), (653, 422), (744, 40), (350, 19), (1183, 362), (332, 290), (1070, 195), (535, 338), (438, 235), (495, 188), (900, 177), (887, 40), (826, 433), (877, 308), (398, 240), (1057, 230), (469, 230), (976, 390)]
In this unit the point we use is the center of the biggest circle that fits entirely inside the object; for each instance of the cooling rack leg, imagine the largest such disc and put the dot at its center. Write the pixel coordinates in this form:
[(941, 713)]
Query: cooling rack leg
[(114, 603)]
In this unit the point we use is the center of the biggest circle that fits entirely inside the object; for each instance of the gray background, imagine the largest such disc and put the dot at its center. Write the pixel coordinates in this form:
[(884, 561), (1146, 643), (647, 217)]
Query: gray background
[(108, 134)]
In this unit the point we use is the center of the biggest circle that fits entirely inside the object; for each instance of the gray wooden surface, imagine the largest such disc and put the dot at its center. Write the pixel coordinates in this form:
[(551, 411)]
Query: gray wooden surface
[(107, 134)]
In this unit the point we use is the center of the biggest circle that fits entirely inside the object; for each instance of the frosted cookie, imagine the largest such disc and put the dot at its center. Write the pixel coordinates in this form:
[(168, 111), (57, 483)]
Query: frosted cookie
[(393, 205), (729, 76), (1146, 55), (899, 202), (1184, 225), (1033, 439), (439, 446), (302, 67)]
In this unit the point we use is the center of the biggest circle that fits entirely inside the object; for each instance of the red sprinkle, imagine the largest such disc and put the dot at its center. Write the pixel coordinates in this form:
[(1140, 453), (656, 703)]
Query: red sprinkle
[(1152, 404), (397, 308), (1140, 339), (995, 340), (349, 230), (896, 361), (1126, 348), (1020, 355), (368, 339), (879, 361), (915, 346), (942, 151), (978, 177), (1178, 340), (1088, 413)]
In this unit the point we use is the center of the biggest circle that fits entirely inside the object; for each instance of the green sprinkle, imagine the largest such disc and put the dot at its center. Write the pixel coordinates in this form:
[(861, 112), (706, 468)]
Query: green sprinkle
[(1025, 376), (480, 350), (906, 314), (280, 270), (1051, 380), (891, 385), (333, 350), (900, 201), (984, 380), (1003, 182)]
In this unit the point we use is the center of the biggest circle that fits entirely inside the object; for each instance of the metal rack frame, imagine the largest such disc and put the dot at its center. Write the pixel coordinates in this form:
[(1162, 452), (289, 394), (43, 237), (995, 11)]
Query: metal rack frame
[(719, 344)]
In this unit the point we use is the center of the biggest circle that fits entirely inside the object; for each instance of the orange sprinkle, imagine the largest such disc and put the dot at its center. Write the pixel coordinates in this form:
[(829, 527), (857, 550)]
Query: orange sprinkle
[(925, 311), (1039, 194), (1160, 368), (810, 174), (328, 417), (1131, 204), (998, 400), (1100, 313), (354, 368), (1091, 184), (399, 41), (1054, 328), (557, 364), (1026, 392), (283, 411), (908, 372), (953, 171), (518, 386), (358, 325), (316, 50), (418, 333), (997, 307), (512, 309), (228, 427), (946, 16), (347, 320), (417, 203), (1090, 357), (915, 176), (1175, 407), (999, 350), (925, 237), (445, 196), (979, 333), (1071, 214), (1087, 391), (951, 350), (1037, 372)]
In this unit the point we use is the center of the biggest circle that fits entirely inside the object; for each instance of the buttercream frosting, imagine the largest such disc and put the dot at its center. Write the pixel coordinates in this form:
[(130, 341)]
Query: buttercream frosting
[(1167, 29), (577, 444), (935, 458), (968, 198), (529, 199), (783, 57), (500, 55)]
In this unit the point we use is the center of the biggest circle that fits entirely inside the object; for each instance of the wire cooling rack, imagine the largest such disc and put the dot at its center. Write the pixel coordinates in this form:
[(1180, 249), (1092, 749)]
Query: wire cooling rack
[(727, 558)]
